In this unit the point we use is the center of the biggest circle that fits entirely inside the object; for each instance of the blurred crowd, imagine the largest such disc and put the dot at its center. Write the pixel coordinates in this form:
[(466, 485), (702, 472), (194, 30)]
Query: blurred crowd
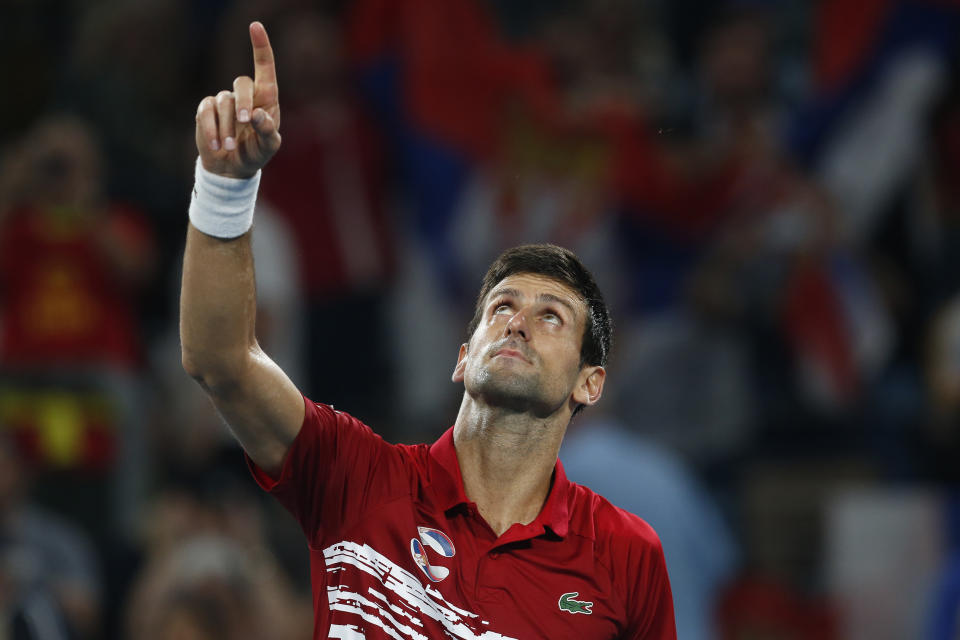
[(768, 192)]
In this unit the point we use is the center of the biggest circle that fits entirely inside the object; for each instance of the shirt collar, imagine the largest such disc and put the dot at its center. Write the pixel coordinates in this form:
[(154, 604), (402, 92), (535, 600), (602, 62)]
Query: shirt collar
[(555, 514)]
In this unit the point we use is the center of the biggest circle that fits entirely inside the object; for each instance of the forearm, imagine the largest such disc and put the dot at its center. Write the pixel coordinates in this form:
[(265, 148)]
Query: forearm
[(217, 306)]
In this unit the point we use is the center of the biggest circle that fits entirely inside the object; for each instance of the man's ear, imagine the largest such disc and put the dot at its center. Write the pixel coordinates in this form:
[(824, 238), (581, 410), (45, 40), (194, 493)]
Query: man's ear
[(589, 385), (461, 363)]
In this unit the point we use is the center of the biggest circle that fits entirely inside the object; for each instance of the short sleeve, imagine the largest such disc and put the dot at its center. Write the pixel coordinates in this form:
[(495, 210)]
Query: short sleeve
[(336, 468), (652, 611)]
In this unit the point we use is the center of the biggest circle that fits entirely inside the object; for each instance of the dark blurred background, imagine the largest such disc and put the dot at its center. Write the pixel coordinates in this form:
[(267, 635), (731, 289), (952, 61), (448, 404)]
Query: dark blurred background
[(767, 190)]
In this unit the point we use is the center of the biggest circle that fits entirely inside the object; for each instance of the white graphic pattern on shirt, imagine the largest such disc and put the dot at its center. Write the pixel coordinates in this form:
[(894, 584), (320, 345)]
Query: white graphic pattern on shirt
[(398, 622)]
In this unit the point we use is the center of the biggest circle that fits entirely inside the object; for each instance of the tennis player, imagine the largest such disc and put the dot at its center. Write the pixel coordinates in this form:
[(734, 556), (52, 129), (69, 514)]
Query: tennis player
[(477, 536)]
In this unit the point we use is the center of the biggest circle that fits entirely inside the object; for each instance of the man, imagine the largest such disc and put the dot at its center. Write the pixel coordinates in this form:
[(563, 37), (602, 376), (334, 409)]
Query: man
[(479, 535)]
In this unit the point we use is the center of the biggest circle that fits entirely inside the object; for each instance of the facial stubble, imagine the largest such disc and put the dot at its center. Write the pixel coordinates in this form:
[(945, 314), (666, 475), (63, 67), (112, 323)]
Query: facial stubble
[(513, 386)]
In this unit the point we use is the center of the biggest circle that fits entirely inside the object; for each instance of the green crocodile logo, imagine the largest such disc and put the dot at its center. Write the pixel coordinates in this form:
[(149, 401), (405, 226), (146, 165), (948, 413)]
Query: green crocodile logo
[(567, 603)]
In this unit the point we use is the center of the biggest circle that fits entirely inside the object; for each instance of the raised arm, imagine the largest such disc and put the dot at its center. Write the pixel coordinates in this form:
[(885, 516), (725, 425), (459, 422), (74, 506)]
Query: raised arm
[(237, 132)]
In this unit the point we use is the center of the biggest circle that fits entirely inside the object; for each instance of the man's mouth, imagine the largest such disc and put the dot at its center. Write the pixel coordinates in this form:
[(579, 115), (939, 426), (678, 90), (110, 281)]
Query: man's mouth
[(511, 353)]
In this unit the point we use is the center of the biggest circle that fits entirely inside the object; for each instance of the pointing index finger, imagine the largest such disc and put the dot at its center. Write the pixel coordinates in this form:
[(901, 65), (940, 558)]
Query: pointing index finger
[(263, 66)]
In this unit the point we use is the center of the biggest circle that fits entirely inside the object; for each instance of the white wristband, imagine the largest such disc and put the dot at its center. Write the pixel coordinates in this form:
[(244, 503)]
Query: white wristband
[(222, 207)]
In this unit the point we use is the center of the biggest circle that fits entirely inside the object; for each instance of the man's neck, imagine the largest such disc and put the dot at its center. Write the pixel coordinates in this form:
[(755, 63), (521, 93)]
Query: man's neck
[(506, 461)]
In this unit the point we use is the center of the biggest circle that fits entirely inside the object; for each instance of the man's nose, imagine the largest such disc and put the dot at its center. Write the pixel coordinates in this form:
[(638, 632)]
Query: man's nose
[(517, 325)]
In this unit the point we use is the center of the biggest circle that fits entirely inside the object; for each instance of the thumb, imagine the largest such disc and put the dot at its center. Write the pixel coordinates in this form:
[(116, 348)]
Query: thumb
[(266, 128)]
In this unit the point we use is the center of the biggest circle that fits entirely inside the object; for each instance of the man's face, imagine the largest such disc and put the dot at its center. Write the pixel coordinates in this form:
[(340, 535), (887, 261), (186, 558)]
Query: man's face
[(525, 353)]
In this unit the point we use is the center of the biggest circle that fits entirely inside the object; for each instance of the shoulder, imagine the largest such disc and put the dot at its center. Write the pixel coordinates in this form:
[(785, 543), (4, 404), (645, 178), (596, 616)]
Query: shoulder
[(354, 445), (416, 456), (618, 534), (345, 432)]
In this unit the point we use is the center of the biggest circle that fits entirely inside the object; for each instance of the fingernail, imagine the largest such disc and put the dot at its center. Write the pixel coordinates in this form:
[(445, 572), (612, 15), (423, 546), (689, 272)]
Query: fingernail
[(244, 115), (215, 145), (229, 144)]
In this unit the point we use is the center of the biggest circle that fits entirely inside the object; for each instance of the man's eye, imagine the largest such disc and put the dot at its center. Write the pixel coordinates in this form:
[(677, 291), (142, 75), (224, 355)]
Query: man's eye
[(501, 308), (552, 318)]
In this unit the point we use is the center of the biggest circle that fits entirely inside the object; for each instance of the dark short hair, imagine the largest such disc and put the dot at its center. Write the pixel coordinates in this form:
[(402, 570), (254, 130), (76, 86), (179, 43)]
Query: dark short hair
[(565, 267)]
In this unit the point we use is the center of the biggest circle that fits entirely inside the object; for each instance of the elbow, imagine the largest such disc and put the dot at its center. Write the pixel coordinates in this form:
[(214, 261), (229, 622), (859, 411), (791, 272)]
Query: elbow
[(191, 364), (216, 375)]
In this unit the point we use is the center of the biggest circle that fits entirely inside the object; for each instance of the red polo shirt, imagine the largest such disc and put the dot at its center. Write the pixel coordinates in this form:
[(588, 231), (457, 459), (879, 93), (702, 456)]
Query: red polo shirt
[(398, 551)]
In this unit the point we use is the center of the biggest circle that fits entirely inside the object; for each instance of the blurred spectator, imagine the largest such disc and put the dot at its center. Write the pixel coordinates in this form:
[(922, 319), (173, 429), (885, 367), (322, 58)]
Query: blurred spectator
[(72, 265), (210, 588), (70, 260), (49, 576), (208, 571)]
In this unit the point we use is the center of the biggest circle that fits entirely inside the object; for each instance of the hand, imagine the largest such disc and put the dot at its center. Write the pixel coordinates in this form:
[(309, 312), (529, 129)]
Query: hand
[(238, 131)]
